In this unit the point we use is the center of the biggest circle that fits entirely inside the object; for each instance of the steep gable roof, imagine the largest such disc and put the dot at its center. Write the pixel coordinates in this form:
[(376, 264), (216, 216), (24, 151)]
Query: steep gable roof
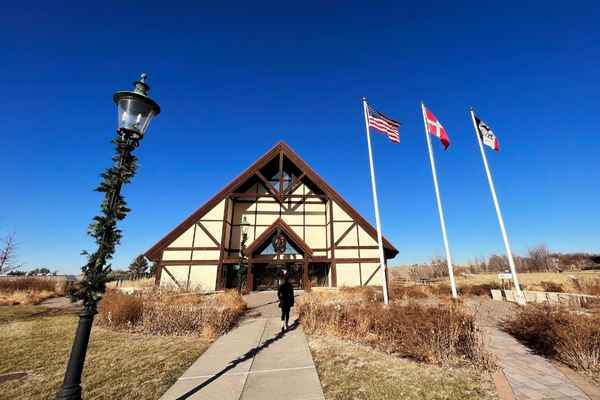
[(281, 147)]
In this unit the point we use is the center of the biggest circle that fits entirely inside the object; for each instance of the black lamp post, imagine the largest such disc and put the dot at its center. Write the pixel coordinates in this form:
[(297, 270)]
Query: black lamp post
[(135, 111), (245, 226)]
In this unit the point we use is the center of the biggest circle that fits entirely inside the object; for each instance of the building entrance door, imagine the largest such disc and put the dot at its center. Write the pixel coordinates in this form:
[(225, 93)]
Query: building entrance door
[(267, 276)]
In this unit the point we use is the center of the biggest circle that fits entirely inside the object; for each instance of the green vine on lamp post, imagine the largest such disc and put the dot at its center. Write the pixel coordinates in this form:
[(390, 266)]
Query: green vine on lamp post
[(104, 227)]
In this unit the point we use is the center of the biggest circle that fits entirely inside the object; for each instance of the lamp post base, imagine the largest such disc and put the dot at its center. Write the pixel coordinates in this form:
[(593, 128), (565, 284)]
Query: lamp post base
[(71, 388)]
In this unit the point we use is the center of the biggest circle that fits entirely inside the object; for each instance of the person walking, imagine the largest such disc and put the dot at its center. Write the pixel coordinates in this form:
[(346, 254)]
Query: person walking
[(286, 300)]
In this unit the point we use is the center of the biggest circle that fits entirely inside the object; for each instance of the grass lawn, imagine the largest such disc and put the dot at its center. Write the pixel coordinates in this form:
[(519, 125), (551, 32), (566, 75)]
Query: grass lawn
[(118, 365), (352, 371), (21, 312)]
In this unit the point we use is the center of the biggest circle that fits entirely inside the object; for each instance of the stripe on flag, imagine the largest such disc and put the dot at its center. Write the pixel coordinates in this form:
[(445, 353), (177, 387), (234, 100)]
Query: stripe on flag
[(384, 124)]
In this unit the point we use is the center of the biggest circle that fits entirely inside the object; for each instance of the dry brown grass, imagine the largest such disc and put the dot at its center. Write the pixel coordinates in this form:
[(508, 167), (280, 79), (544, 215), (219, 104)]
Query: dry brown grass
[(30, 290), (533, 280), (161, 313), (588, 286), (443, 334), (352, 371), (556, 332), (119, 365)]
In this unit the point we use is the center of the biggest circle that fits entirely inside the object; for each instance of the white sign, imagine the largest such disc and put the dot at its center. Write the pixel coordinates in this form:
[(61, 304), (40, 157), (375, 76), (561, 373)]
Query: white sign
[(505, 276)]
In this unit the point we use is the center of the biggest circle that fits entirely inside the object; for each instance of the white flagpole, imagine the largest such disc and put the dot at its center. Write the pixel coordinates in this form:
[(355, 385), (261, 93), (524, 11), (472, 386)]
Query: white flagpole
[(511, 262), (439, 204), (376, 206)]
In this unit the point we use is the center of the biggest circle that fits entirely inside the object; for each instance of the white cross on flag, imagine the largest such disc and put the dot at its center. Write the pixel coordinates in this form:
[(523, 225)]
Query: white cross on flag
[(486, 134), (435, 128)]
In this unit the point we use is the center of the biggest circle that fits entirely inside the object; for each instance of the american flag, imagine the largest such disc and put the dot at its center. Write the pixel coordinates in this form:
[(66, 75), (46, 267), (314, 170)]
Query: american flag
[(384, 124)]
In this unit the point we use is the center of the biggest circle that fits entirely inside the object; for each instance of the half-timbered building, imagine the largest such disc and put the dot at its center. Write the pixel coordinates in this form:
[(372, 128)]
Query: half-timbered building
[(294, 220)]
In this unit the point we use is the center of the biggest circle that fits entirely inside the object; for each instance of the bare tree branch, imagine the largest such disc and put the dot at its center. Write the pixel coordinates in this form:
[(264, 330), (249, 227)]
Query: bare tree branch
[(8, 248)]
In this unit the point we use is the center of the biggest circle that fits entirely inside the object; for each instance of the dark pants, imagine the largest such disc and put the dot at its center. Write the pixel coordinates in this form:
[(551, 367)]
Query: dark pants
[(285, 314)]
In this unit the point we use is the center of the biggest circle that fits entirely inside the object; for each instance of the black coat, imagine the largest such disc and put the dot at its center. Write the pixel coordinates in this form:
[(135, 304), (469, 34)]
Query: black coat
[(286, 295)]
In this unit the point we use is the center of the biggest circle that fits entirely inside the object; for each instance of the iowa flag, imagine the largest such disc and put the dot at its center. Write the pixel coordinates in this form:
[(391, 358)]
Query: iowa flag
[(486, 134)]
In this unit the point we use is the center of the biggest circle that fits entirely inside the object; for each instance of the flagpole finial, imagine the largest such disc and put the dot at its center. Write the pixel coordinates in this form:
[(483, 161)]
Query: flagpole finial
[(364, 99)]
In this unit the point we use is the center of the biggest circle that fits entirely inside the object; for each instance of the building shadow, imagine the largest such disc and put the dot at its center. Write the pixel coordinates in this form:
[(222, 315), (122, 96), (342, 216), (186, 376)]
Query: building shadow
[(232, 364)]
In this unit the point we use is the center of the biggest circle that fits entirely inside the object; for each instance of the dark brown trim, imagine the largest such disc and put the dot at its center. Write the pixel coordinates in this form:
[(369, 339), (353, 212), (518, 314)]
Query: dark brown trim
[(190, 262), (172, 277), (280, 147), (355, 260), (294, 186), (253, 195), (211, 237), (187, 285), (219, 284), (372, 275), (279, 192), (359, 264), (346, 232), (357, 248), (268, 185), (158, 271), (333, 266), (191, 248)]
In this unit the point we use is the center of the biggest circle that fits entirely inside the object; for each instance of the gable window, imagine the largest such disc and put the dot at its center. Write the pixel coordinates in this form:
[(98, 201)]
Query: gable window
[(284, 183)]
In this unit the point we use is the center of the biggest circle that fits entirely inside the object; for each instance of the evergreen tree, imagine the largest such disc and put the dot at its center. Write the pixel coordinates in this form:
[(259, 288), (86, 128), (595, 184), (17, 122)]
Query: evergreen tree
[(139, 265), (153, 268)]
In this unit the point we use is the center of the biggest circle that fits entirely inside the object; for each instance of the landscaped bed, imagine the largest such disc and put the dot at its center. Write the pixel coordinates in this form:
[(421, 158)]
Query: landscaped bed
[(442, 334), (568, 336), (160, 312), (134, 354)]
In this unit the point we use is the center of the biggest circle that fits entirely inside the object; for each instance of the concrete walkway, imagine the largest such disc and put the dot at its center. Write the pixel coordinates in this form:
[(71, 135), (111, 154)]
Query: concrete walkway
[(531, 377), (253, 361)]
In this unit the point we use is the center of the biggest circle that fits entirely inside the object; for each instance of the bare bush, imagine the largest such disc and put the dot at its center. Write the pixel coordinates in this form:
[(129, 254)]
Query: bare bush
[(482, 289), (440, 335), (539, 258), (573, 339), (162, 313), (30, 290), (121, 310), (497, 263), (552, 287), (587, 286)]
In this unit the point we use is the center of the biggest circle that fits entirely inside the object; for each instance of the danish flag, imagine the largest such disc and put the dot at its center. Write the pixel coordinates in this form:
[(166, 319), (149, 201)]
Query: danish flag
[(435, 128)]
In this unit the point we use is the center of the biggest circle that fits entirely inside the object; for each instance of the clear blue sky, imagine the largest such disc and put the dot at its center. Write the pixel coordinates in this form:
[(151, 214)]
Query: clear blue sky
[(233, 80)]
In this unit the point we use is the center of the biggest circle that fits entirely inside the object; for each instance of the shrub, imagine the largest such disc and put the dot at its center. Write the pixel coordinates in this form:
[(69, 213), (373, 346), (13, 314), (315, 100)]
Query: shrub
[(552, 287), (361, 293), (573, 339), (120, 310), (591, 287), (408, 292), (31, 283), (161, 313), (441, 289), (30, 290), (442, 334), (482, 289)]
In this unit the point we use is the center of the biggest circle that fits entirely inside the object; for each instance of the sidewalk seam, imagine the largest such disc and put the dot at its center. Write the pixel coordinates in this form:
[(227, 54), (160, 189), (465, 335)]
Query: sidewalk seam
[(261, 371), (253, 358)]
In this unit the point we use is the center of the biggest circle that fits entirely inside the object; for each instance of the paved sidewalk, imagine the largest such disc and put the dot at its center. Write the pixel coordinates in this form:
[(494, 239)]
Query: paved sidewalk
[(253, 361), (531, 377)]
